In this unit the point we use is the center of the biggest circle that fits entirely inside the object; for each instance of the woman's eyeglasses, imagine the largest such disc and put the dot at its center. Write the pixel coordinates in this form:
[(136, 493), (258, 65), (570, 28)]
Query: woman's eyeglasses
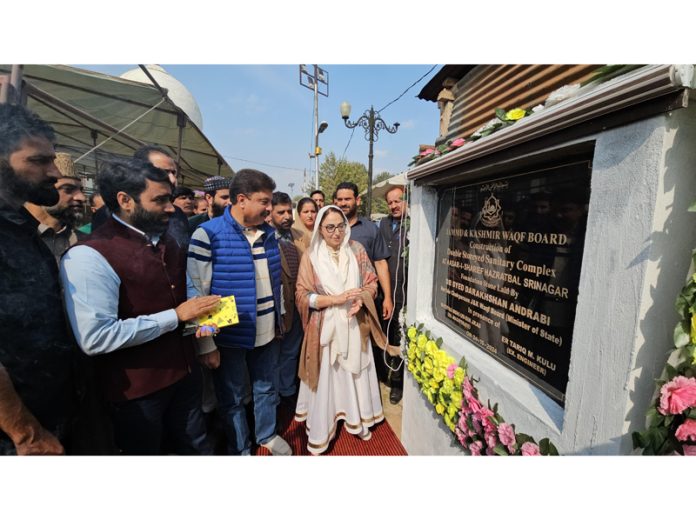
[(331, 228)]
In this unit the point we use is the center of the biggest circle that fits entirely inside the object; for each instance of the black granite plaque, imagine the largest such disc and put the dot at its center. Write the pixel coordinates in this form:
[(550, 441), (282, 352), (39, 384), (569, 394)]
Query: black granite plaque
[(508, 260)]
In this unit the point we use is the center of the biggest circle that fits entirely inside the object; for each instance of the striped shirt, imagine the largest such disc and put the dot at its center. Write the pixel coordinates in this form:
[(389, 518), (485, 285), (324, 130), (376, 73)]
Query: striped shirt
[(200, 270), (265, 317)]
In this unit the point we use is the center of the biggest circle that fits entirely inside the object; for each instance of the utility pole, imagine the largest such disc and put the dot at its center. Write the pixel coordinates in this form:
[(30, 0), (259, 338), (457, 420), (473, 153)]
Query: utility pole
[(313, 82)]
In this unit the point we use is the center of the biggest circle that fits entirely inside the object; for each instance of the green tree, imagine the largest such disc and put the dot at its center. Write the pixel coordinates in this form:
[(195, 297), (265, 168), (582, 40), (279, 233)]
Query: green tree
[(333, 171)]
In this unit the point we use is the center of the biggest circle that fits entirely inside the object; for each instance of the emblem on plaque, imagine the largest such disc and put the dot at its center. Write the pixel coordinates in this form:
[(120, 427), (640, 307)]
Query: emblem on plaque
[(490, 213)]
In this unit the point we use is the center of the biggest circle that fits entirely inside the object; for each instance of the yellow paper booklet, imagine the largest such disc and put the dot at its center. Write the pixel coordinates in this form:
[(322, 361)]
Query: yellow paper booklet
[(225, 314)]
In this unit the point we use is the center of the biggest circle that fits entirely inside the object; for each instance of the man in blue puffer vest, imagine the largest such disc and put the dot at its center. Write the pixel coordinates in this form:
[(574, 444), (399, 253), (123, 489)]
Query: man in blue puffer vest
[(237, 254)]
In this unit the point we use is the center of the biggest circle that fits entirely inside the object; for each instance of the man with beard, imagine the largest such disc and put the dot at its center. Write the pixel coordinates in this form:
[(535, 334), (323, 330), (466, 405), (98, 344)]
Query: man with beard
[(282, 220), (36, 397), (125, 296), (160, 158), (238, 255), (217, 194), (57, 222)]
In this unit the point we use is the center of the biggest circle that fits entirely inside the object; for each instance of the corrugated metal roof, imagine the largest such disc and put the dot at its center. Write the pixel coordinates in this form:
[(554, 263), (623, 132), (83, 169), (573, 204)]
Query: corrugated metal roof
[(487, 87)]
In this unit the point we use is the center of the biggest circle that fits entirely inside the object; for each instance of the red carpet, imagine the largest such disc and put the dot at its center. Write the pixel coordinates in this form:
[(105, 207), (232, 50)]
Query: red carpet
[(383, 442)]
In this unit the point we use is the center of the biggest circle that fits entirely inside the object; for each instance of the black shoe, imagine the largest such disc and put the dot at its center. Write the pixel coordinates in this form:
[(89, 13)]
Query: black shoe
[(395, 395)]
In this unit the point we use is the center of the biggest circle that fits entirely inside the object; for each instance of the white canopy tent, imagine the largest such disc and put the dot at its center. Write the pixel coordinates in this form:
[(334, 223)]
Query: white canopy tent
[(88, 109), (380, 189)]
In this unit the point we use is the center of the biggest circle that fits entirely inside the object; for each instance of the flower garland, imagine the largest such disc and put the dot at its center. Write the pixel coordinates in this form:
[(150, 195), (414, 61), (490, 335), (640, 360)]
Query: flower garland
[(501, 120), (672, 417), (479, 429)]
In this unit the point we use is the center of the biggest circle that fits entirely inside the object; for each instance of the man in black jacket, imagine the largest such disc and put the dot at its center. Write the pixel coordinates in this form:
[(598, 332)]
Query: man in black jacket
[(36, 380), (394, 229)]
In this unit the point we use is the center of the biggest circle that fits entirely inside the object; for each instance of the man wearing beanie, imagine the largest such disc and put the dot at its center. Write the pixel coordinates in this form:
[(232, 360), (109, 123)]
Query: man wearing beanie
[(57, 223), (217, 193)]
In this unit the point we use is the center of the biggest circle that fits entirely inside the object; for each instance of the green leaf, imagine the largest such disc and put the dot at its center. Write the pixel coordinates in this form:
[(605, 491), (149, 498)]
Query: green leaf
[(438, 342), (671, 371), (544, 446), (552, 450), (501, 450), (500, 114), (692, 207), (639, 440), (681, 334), (691, 414), (668, 420), (688, 354), (521, 438), (682, 305), (655, 418)]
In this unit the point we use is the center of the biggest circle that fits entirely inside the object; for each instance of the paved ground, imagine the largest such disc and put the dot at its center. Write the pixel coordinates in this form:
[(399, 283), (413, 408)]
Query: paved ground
[(392, 412)]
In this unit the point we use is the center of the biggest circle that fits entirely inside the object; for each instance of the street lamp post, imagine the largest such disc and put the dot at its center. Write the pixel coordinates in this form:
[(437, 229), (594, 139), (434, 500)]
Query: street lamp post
[(372, 124)]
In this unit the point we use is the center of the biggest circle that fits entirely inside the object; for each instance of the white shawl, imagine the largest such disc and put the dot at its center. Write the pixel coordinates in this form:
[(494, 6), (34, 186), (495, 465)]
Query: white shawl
[(340, 333)]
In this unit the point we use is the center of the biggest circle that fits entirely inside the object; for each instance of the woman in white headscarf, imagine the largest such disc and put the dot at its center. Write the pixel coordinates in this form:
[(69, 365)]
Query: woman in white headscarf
[(336, 285)]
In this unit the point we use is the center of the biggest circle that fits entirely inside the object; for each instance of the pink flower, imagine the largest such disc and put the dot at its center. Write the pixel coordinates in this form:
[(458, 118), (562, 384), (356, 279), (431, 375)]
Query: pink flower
[(451, 369), (486, 414), (474, 404), (459, 141), (491, 439), (475, 448), (677, 395), (530, 449), (462, 423), (465, 408), (507, 434), (687, 431), (490, 451), (689, 450), (468, 389), (427, 151), (461, 436), (477, 426)]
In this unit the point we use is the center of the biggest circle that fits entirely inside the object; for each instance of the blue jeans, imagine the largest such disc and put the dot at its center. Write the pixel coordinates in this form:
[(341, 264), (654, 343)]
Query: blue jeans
[(169, 420), (231, 388), (288, 358)]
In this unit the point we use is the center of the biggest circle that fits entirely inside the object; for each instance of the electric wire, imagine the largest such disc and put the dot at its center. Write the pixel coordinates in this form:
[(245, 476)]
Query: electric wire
[(409, 88), (263, 164), (399, 251), (347, 145)]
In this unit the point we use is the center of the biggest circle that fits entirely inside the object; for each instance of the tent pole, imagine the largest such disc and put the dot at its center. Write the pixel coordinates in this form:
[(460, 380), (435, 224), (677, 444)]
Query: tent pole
[(16, 83), (181, 123)]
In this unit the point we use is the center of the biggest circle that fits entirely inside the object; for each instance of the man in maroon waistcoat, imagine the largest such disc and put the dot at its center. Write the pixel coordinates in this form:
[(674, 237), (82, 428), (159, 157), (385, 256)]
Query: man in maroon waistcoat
[(125, 296)]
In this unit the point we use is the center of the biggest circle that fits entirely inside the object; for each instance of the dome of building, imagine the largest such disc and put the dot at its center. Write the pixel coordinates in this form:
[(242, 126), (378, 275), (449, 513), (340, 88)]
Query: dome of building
[(176, 91)]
